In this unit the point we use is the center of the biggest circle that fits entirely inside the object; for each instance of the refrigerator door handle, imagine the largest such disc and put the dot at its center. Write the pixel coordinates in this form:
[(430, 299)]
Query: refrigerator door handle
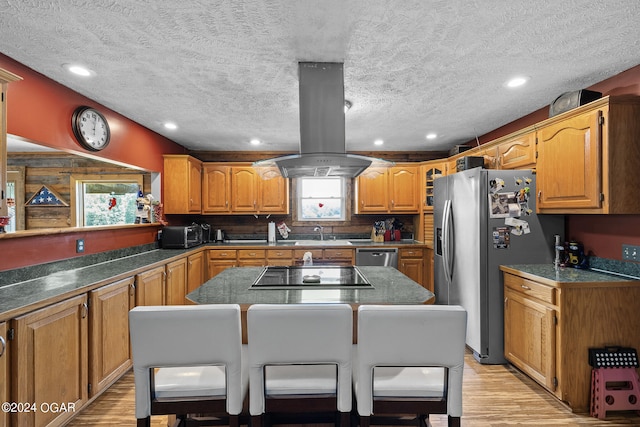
[(446, 243)]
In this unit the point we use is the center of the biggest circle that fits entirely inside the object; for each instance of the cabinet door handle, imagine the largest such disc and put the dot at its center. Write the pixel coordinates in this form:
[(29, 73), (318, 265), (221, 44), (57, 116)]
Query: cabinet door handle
[(85, 306), (539, 195), (3, 345), (525, 287), (132, 289)]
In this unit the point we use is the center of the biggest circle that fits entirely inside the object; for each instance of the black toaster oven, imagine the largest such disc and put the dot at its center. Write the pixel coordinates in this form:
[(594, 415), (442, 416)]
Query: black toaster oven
[(175, 237)]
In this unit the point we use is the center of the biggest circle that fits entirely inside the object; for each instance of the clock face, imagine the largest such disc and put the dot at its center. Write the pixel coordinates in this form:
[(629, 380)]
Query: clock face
[(91, 128)]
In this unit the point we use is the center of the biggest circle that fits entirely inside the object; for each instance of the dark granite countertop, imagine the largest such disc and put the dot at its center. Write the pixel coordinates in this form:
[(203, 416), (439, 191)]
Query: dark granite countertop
[(565, 275), (30, 288), (231, 286), (355, 243), (17, 298)]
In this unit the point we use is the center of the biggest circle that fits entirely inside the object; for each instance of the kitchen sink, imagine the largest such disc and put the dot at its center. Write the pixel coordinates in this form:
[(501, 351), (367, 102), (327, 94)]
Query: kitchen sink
[(323, 243)]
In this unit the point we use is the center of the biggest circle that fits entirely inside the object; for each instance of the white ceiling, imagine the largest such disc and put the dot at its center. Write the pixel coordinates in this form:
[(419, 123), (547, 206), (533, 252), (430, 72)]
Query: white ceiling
[(226, 71)]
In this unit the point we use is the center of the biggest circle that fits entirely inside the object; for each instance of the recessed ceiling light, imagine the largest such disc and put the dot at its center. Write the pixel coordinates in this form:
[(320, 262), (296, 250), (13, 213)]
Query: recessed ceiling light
[(516, 81), (378, 142), (78, 70), (431, 135), (255, 141), (171, 126)]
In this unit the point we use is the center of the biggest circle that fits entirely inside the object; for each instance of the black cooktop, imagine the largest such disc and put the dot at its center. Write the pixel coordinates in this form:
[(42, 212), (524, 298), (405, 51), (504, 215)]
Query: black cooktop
[(327, 277)]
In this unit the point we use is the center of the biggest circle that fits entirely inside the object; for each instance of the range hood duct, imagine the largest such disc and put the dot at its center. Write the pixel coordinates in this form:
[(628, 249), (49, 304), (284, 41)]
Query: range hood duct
[(322, 129)]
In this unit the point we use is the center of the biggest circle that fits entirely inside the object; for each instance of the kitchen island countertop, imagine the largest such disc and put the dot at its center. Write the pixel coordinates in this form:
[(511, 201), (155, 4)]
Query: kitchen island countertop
[(231, 286)]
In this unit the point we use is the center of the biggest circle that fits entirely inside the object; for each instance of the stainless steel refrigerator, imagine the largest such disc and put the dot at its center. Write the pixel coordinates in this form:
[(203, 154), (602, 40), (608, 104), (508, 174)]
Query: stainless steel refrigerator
[(484, 219)]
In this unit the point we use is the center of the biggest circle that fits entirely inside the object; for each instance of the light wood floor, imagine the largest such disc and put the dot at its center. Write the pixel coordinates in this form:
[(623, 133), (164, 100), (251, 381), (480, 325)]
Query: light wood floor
[(493, 395)]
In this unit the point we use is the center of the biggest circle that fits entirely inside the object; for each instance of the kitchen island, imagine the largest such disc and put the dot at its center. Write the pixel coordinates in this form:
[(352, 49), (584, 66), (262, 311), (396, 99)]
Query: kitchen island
[(233, 286)]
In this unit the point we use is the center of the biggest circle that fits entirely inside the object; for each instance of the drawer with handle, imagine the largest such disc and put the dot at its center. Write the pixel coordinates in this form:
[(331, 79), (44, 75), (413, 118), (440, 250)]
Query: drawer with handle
[(530, 288), (223, 254)]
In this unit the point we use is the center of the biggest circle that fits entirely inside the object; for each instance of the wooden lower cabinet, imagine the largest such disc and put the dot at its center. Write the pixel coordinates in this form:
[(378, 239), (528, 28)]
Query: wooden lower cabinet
[(549, 327), (534, 351), (219, 260), (4, 372), (251, 257), (150, 289), (109, 344), (338, 256), (332, 256), (176, 282), (411, 263), (195, 271), (50, 359), (280, 257)]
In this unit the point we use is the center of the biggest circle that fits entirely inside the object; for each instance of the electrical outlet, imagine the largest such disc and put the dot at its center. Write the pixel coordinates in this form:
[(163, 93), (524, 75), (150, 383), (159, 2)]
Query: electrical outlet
[(79, 246), (631, 253)]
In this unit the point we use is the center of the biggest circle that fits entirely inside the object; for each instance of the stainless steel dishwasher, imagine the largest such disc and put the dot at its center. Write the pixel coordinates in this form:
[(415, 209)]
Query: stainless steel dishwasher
[(387, 257)]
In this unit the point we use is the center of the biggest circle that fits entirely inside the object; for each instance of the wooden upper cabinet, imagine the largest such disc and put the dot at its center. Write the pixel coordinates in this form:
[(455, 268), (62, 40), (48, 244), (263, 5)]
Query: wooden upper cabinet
[(274, 195), (216, 188), (403, 189), (589, 159), (244, 189), (570, 162), (517, 152), (429, 172), (395, 190), (490, 156), (371, 193), (182, 181), (236, 188), (252, 194)]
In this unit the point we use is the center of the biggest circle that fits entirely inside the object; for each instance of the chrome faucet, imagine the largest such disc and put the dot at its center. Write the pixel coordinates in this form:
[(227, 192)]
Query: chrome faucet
[(319, 228)]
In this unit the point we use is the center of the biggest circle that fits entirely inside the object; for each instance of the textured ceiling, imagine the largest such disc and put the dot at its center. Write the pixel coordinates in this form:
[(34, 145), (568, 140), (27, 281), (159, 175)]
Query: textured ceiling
[(226, 71)]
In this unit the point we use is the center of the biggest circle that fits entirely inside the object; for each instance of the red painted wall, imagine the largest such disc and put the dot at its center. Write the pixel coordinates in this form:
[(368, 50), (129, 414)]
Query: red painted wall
[(603, 235), (40, 110), (25, 251)]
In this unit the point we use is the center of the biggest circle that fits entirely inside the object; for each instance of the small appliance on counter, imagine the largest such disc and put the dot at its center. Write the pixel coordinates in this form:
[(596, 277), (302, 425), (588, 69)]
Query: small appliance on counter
[(219, 236), (181, 236), (206, 232), (577, 258)]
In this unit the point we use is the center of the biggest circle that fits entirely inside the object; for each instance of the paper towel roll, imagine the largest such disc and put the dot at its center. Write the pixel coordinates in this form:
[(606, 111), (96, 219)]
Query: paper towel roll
[(272, 232)]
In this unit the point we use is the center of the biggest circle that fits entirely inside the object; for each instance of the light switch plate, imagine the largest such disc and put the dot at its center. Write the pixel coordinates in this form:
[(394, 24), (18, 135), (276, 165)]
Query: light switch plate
[(630, 253)]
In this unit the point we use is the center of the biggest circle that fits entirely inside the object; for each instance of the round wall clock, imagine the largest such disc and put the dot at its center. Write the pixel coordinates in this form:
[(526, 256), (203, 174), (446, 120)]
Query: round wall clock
[(90, 128)]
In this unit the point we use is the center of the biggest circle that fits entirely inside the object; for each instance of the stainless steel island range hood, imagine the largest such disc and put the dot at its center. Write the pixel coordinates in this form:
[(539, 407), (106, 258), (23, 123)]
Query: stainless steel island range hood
[(322, 131)]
